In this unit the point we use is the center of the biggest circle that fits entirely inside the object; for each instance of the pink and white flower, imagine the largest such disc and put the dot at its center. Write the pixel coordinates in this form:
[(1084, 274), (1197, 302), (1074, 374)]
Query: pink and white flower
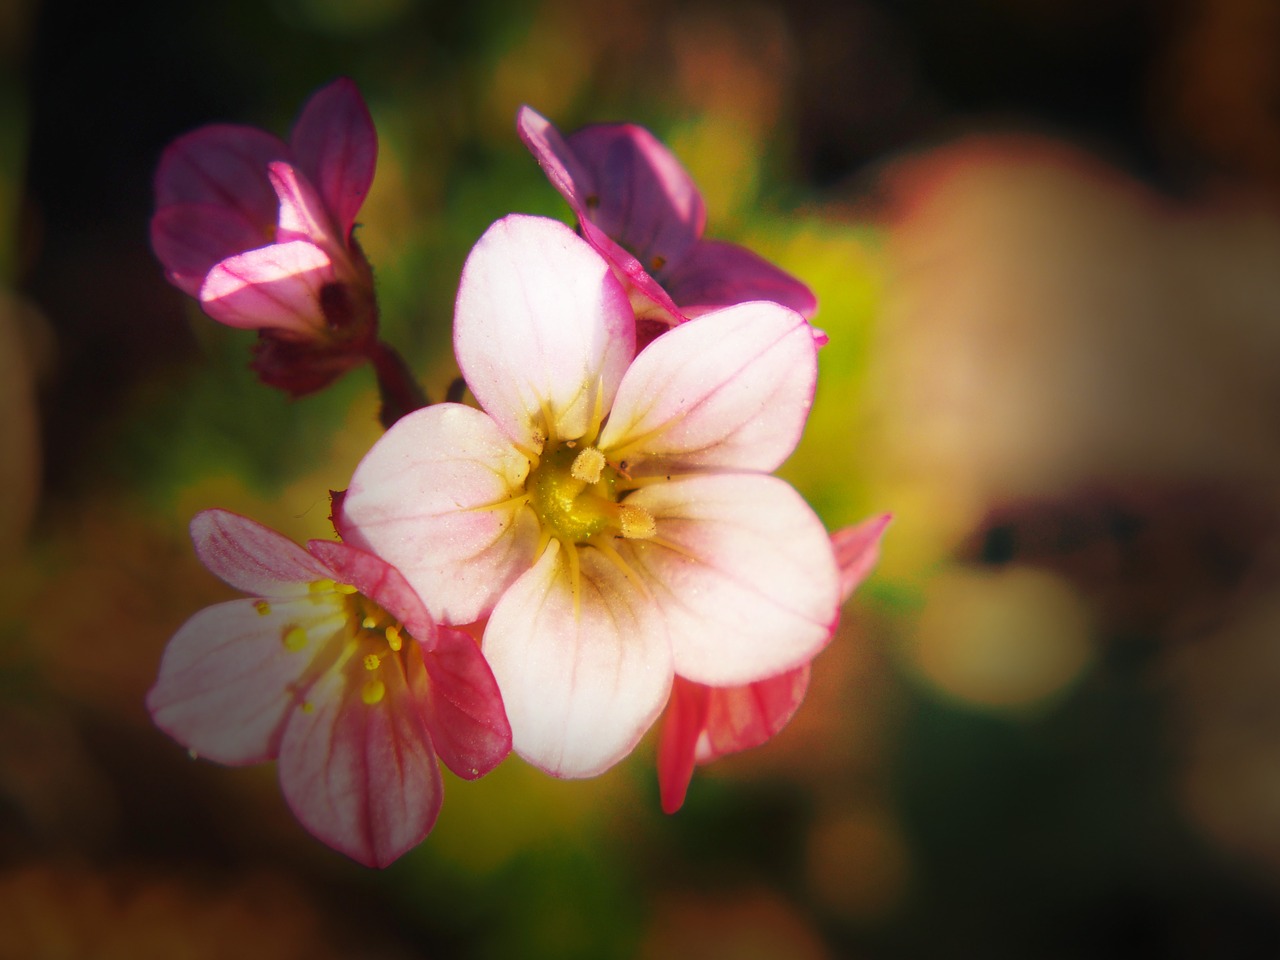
[(612, 517), (335, 668), (641, 210), (261, 233), (703, 723)]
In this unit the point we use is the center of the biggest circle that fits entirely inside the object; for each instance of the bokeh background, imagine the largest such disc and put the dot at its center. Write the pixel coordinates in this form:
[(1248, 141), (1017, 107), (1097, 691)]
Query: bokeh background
[(1046, 242)]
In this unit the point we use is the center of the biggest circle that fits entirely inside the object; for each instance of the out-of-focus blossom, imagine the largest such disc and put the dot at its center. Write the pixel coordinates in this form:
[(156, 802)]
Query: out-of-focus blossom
[(614, 519), (704, 723), (261, 232), (335, 668), (640, 208)]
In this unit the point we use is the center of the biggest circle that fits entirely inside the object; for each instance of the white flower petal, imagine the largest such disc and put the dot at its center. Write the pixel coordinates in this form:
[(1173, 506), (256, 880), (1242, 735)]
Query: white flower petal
[(433, 497), (731, 391), (743, 573), (582, 683), (542, 327)]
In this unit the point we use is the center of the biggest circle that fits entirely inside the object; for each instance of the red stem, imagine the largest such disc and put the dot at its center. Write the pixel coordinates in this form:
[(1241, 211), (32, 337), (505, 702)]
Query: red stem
[(399, 391)]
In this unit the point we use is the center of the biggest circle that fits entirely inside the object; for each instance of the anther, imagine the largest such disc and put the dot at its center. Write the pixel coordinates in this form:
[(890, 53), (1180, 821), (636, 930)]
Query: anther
[(393, 638), (345, 588), (373, 691), (262, 607), (587, 465), (371, 661), (636, 523), (295, 638), (369, 622)]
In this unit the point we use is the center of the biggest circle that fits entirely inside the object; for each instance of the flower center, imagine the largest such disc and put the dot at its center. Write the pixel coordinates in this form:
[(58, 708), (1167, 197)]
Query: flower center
[(573, 491), (370, 634)]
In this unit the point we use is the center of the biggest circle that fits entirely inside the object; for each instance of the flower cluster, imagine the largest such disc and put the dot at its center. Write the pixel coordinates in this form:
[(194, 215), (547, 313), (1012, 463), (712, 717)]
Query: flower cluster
[(597, 543)]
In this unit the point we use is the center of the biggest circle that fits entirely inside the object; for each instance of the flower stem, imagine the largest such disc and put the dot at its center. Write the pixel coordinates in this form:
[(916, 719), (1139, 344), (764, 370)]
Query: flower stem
[(399, 392)]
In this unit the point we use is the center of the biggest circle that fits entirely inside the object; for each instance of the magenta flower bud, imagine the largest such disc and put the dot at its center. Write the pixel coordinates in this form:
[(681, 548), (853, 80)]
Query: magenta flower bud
[(640, 209), (260, 231)]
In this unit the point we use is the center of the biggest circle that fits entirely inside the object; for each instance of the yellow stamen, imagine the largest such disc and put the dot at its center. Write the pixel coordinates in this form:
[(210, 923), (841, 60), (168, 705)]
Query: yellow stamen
[(587, 465), (636, 522), (345, 588), (393, 637), (373, 691), (371, 661), (369, 622), (294, 637), (262, 607)]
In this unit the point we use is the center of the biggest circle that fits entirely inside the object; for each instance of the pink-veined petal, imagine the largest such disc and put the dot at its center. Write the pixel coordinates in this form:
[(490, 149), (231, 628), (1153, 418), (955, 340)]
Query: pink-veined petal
[(716, 274), (274, 288), (302, 212), (335, 143), (742, 572), (857, 551), (361, 777), (382, 583), (434, 498), (682, 725), (227, 679), (648, 299), (745, 716), (557, 160), (253, 558), (190, 238), (582, 678), (225, 165), (463, 708), (731, 391), (542, 328), (644, 199), (705, 723)]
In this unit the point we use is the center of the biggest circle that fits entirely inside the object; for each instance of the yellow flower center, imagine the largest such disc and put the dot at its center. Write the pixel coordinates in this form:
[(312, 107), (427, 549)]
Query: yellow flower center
[(370, 634), (573, 490)]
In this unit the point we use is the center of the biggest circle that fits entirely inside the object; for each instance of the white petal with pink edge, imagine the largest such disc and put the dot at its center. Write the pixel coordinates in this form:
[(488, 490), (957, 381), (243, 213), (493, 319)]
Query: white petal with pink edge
[(228, 678), (434, 498), (730, 392), (253, 558), (742, 572), (582, 679), (542, 328)]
